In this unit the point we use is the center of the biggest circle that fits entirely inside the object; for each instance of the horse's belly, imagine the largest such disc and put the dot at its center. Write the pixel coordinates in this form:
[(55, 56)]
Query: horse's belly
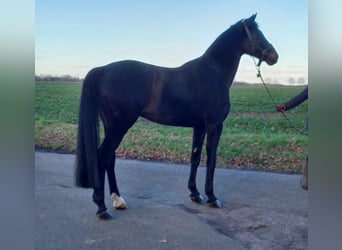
[(181, 120)]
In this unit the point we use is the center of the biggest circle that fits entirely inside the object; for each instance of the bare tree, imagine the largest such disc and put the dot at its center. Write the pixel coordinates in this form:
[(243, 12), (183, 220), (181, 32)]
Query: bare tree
[(291, 80), (301, 80)]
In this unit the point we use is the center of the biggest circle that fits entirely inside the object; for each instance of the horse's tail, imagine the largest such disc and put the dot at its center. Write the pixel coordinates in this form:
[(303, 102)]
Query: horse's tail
[(87, 174)]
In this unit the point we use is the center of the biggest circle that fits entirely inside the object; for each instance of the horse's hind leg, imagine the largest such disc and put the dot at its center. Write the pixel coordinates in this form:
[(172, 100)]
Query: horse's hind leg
[(106, 158), (118, 201), (105, 155), (197, 143), (117, 131), (98, 198)]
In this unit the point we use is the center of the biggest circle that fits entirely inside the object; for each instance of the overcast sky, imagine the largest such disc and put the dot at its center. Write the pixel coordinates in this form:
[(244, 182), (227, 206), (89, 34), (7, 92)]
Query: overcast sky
[(74, 36)]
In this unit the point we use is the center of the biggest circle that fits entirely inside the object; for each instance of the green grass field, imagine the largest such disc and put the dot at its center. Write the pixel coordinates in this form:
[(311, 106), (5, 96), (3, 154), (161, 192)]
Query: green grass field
[(254, 135)]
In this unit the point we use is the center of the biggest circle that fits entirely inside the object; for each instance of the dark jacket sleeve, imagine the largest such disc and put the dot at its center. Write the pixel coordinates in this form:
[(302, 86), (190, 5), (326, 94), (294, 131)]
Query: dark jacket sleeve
[(298, 99)]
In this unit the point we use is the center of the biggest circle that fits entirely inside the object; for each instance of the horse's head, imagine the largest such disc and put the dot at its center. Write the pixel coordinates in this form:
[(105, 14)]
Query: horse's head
[(256, 44)]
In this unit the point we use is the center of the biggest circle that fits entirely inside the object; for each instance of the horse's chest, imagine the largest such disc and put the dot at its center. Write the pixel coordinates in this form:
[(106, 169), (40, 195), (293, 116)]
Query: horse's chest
[(218, 106)]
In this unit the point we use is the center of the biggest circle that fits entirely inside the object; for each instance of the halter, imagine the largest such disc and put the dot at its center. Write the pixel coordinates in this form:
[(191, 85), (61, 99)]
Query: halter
[(254, 45)]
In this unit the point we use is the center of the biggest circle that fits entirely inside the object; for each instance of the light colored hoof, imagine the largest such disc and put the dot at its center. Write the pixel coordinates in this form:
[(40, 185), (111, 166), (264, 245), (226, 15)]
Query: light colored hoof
[(118, 202)]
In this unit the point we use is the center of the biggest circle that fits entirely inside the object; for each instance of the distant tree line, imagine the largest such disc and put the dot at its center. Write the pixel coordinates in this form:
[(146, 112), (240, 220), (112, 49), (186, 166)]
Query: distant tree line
[(69, 78), (300, 80), (63, 78)]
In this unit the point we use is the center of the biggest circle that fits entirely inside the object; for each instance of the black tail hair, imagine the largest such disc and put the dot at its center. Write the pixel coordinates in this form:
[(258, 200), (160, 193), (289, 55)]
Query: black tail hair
[(87, 174)]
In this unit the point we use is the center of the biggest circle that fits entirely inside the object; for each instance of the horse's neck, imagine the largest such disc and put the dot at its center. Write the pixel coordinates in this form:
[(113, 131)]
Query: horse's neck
[(231, 72), (226, 69), (225, 59), (224, 55)]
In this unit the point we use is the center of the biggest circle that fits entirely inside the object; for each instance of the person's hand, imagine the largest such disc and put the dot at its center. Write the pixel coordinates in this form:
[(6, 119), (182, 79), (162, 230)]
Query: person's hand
[(281, 107)]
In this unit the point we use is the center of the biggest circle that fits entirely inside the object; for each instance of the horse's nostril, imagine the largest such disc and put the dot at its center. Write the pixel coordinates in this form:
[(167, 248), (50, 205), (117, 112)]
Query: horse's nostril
[(275, 57)]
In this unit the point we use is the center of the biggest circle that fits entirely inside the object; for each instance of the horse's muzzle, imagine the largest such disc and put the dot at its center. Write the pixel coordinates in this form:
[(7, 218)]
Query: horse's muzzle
[(271, 57)]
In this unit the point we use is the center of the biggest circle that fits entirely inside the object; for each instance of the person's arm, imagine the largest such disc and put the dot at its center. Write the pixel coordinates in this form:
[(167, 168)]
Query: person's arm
[(295, 101)]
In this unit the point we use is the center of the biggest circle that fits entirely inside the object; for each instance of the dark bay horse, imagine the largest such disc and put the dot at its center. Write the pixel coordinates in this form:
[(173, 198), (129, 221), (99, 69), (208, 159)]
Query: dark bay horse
[(195, 95)]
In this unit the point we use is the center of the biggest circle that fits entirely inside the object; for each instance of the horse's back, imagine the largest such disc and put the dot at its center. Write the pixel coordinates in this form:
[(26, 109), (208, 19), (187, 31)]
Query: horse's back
[(181, 96), (127, 74), (124, 81)]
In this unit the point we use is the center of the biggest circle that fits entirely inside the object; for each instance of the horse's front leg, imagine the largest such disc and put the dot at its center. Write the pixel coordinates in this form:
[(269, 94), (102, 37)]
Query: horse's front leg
[(197, 143), (213, 137)]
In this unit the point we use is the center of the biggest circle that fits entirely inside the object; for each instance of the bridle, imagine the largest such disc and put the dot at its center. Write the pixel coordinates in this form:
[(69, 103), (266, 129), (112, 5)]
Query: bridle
[(254, 45)]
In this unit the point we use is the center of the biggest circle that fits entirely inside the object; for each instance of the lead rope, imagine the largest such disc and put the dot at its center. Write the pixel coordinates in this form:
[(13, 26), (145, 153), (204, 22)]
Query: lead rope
[(257, 66)]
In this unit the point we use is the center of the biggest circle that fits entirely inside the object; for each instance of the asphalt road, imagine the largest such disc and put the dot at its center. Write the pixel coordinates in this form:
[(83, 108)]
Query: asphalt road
[(260, 210)]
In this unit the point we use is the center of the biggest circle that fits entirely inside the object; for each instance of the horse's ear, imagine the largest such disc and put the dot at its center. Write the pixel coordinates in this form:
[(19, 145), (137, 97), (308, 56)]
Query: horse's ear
[(252, 18), (249, 20)]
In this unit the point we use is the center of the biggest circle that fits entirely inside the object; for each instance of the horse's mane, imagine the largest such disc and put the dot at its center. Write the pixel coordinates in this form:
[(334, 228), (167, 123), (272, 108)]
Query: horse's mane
[(238, 27), (231, 36)]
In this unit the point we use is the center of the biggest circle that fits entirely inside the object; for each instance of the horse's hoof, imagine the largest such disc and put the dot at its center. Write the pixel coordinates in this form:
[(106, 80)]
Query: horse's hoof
[(197, 198), (118, 202), (215, 204), (104, 216)]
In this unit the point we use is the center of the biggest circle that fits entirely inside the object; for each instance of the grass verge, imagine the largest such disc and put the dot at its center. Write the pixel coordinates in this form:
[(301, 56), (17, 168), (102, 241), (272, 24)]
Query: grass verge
[(254, 136)]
